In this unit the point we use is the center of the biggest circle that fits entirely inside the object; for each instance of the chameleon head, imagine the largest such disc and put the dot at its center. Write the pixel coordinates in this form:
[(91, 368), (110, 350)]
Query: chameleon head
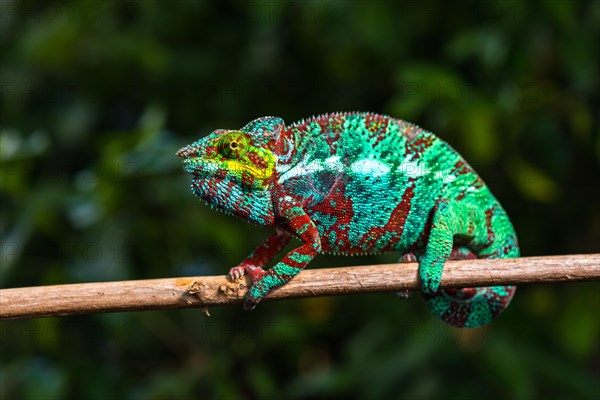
[(233, 169)]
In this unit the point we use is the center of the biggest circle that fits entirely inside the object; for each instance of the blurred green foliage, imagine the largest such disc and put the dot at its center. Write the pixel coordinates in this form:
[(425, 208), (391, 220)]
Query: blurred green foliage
[(96, 96)]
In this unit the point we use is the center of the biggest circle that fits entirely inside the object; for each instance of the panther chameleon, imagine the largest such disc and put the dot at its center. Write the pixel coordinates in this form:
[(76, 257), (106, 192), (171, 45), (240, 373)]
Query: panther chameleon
[(355, 183)]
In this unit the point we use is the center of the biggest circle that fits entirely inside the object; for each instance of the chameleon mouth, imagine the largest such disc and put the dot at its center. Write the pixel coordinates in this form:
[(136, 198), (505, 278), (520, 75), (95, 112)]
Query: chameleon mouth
[(200, 167), (203, 170), (190, 166)]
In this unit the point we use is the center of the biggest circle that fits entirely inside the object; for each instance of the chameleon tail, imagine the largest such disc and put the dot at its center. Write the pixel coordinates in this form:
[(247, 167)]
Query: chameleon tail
[(469, 307)]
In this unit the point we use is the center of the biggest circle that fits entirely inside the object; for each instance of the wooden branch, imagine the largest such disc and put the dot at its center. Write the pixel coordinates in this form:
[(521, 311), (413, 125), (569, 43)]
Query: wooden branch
[(44, 301)]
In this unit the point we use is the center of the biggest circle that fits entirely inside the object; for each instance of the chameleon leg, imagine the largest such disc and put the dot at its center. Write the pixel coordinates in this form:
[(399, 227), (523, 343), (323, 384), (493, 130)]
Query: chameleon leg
[(482, 235), (265, 252), (294, 262), (439, 247), (452, 223)]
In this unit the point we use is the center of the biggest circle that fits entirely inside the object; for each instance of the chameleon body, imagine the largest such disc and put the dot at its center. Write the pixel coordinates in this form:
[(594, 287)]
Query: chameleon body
[(355, 183)]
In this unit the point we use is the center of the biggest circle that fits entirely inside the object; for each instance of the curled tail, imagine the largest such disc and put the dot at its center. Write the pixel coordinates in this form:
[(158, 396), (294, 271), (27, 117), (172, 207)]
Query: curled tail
[(471, 307)]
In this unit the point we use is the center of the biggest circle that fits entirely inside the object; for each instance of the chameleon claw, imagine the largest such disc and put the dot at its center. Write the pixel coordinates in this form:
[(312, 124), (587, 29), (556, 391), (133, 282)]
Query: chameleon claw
[(249, 305), (255, 273), (404, 294), (236, 273), (408, 258), (429, 286)]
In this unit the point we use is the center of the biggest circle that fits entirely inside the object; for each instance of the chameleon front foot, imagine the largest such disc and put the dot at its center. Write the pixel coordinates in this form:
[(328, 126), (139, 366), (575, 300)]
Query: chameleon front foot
[(257, 291), (255, 273), (236, 273)]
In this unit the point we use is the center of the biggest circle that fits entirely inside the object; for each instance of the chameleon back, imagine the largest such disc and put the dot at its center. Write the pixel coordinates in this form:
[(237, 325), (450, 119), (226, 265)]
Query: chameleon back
[(371, 182)]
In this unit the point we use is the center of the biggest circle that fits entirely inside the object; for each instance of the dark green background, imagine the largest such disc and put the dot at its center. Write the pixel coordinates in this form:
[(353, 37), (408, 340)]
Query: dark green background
[(98, 95)]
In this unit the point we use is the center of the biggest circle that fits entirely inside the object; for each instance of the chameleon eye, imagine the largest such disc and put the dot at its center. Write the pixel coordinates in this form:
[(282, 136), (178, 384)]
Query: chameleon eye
[(233, 145)]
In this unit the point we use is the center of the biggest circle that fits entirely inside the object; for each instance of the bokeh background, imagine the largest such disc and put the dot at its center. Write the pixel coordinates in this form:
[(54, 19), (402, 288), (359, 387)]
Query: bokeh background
[(96, 97)]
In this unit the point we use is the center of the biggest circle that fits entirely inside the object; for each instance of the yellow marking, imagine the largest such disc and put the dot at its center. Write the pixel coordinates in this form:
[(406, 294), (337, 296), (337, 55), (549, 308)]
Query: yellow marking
[(260, 174)]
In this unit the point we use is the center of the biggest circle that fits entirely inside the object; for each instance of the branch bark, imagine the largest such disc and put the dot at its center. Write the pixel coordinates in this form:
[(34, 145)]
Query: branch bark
[(45, 301)]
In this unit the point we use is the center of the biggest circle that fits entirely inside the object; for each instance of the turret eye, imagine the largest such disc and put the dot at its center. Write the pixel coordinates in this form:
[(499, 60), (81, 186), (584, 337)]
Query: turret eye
[(233, 145)]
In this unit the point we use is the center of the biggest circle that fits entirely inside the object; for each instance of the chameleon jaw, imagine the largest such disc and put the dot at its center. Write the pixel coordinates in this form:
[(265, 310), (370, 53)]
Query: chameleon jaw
[(218, 169), (253, 168)]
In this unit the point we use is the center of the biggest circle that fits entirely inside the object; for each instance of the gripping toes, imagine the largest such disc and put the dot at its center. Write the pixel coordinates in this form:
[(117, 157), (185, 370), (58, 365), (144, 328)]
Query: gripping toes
[(430, 273), (408, 258), (236, 272), (257, 290), (439, 247), (255, 273)]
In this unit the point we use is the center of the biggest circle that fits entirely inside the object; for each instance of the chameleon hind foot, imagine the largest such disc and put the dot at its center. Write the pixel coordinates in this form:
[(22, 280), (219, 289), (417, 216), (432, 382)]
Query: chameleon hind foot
[(406, 258)]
